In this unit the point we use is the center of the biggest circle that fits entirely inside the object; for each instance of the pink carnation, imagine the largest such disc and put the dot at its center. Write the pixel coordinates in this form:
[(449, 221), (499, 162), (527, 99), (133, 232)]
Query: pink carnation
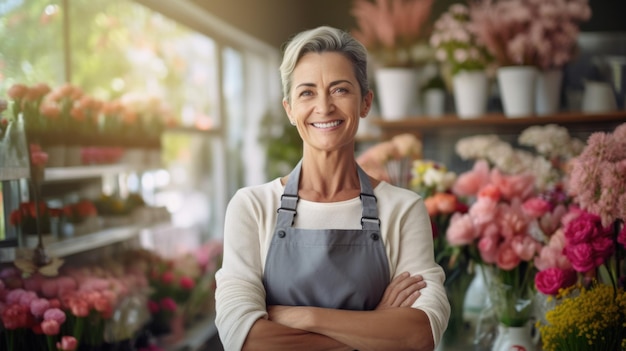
[(67, 343), (581, 256), (461, 230), (50, 327), (55, 314), (39, 306)]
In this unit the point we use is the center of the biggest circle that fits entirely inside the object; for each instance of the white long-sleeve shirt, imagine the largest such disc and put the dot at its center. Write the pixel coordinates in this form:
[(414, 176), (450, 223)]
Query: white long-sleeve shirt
[(249, 226)]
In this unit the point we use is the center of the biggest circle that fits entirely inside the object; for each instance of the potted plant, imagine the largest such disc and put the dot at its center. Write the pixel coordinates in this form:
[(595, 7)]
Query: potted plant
[(465, 61), (395, 35)]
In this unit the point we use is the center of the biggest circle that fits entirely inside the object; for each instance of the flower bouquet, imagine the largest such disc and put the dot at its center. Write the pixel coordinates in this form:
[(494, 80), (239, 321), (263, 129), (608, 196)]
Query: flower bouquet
[(585, 280), (517, 200), (391, 160)]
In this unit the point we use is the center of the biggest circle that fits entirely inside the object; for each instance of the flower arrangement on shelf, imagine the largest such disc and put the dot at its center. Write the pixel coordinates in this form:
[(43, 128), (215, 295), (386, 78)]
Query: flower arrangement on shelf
[(584, 274), (26, 101), (25, 217), (394, 31), (528, 32), (391, 160), (456, 46)]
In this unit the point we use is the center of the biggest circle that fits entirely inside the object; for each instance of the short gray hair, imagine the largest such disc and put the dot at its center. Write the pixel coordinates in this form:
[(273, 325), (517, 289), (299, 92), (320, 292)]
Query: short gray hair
[(319, 40)]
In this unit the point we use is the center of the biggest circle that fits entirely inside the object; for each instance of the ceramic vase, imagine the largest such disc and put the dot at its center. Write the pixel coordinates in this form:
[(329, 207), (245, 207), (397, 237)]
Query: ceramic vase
[(397, 91), (515, 339), (471, 90), (517, 90), (548, 91)]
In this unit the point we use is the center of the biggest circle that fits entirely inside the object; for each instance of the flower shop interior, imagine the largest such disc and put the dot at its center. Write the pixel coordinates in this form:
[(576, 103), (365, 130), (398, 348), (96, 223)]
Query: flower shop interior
[(127, 125)]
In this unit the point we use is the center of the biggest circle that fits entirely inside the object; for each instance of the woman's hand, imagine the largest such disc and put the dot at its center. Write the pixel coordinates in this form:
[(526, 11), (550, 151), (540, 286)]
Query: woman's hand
[(403, 291)]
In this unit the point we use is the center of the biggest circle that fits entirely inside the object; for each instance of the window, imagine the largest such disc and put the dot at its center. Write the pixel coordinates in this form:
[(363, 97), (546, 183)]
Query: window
[(171, 50)]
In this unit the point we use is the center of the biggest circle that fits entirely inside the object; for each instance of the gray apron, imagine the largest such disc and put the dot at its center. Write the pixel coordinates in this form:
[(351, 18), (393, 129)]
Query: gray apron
[(331, 268)]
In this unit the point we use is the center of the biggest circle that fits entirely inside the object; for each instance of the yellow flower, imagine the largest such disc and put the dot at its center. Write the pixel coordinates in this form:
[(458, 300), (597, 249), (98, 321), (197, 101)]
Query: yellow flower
[(585, 319)]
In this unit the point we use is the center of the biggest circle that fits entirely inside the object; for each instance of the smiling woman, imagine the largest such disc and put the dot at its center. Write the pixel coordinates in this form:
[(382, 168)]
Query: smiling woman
[(334, 276)]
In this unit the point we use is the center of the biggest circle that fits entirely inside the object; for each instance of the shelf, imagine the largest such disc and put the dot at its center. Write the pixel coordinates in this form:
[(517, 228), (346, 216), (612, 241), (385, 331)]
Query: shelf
[(497, 122), (83, 172), (95, 240), (196, 336)]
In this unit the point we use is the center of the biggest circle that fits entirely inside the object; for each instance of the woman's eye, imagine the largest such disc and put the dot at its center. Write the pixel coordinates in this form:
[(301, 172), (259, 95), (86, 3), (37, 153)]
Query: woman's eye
[(341, 90), (305, 93)]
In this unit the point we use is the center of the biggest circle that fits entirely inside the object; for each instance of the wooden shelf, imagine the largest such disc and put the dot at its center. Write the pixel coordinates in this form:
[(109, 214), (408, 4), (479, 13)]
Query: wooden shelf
[(422, 124)]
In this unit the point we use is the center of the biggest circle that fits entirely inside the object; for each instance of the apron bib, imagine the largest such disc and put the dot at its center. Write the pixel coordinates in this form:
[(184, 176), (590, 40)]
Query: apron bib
[(331, 268)]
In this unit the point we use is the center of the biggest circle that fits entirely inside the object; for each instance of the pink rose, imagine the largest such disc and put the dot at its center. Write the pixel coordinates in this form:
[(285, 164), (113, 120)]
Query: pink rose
[(536, 207), (583, 228), (581, 256), (507, 259), (603, 248), (461, 230), (79, 308), (67, 343), (549, 281)]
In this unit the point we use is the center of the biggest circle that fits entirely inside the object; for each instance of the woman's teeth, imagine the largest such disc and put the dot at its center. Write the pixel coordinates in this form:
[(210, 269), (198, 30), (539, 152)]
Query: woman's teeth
[(327, 125)]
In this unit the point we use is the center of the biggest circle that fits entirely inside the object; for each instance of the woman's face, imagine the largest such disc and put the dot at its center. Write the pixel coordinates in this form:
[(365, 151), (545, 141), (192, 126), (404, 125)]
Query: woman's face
[(326, 101)]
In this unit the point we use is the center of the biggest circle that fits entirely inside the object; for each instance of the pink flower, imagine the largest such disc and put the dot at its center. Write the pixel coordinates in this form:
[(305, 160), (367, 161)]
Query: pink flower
[(168, 304), (67, 343), (39, 306), (490, 191), (581, 256), (187, 283), (549, 281), (167, 277), (483, 211), (507, 259), (469, 183), (55, 314), (536, 207), (17, 316), (525, 247), (461, 230), (488, 248), (513, 186), (79, 307), (50, 327)]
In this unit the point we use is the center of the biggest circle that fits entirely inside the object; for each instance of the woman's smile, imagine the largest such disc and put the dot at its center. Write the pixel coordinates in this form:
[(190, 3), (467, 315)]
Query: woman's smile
[(327, 125)]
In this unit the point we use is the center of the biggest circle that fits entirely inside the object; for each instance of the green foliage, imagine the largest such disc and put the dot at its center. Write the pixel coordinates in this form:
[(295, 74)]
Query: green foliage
[(282, 143)]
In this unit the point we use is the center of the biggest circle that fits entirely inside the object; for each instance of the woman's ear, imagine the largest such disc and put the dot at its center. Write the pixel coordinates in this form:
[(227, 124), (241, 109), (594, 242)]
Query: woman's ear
[(287, 108), (367, 103)]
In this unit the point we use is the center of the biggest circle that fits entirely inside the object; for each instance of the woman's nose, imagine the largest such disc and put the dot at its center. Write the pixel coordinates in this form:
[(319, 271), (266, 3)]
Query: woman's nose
[(324, 104)]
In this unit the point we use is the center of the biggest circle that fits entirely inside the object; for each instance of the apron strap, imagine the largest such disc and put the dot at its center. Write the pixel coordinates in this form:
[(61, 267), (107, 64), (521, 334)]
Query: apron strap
[(289, 200)]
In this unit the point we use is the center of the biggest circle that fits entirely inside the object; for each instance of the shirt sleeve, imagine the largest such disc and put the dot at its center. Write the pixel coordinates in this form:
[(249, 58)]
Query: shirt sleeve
[(410, 249), (240, 295)]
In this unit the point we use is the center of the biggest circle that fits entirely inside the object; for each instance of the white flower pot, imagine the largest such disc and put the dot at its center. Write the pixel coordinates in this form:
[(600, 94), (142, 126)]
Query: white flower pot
[(397, 91), (471, 90), (434, 102), (548, 91), (517, 90)]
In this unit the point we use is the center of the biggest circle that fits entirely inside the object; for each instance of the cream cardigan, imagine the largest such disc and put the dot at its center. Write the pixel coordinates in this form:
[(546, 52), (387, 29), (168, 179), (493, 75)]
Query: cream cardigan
[(249, 225)]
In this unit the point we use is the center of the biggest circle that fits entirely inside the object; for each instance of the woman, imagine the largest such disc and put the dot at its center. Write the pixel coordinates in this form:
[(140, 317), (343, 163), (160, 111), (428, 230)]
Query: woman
[(346, 272)]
